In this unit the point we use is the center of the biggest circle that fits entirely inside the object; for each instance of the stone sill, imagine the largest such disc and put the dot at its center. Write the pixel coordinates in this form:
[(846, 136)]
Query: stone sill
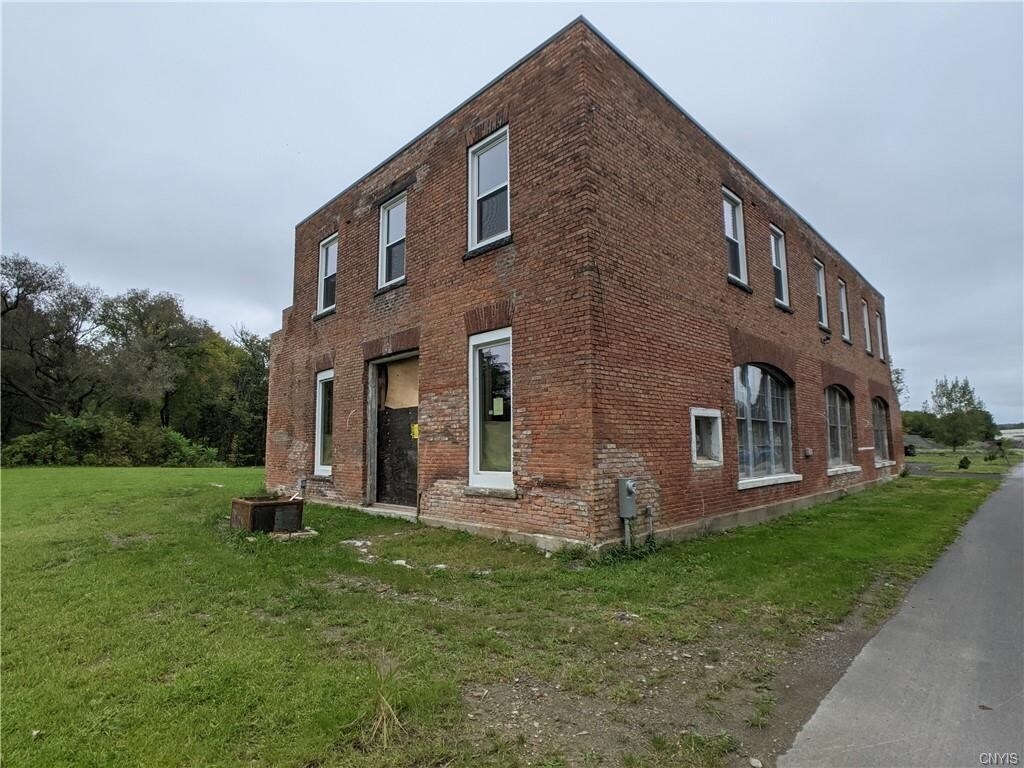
[(703, 464), (491, 493), (760, 482), (880, 464), (480, 250), (733, 280), (846, 469), (325, 312), (389, 287), (784, 307)]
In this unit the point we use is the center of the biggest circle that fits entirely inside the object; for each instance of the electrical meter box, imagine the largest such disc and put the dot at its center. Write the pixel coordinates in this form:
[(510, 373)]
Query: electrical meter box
[(627, 498)]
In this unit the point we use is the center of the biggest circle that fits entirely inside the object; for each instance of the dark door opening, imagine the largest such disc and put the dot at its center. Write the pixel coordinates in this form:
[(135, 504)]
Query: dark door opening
[(397, 430)]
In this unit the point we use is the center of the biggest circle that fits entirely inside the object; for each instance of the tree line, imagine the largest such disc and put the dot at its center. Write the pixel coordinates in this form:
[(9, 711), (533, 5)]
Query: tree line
[(126, 379), (955, 416)]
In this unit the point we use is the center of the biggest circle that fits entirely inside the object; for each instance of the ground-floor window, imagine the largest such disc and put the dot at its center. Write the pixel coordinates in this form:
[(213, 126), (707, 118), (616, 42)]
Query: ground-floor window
[(763, 426), (323, 443), (490, 409), (840, 434), (880, 422)]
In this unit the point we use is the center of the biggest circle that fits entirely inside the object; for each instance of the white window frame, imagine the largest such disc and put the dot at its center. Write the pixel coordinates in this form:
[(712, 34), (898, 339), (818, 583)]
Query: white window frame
[(321, 470), (716, 436), (480, 478), (844, 310), (475, 194), (777, 242), (820, 292), (322, 274), (787, 476), (867, 325), (881, 342), (382, 249), (737, 203)]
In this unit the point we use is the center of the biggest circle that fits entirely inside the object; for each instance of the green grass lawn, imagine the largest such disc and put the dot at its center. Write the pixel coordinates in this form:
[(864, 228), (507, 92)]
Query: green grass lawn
[(948, 461), (138, 630)]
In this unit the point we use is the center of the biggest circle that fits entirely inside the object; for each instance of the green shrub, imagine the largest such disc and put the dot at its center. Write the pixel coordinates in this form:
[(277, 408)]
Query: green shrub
[(105, 441)]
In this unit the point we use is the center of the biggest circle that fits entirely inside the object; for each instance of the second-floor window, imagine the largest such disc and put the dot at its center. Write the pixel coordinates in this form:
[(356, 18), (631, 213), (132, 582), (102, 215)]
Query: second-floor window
[(732, 215), (391, 262), (328, 276), (819, 282), (488, 190), (844, 311), (881, 340), (778, 240), (867, 325)]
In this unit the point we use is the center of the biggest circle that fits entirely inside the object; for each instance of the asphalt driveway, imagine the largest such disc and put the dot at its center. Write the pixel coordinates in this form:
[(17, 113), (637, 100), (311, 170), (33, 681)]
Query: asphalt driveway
[(942, 683)]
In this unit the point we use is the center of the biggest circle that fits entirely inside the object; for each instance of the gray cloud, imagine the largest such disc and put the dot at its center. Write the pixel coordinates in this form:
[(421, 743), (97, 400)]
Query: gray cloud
[(175, 146)]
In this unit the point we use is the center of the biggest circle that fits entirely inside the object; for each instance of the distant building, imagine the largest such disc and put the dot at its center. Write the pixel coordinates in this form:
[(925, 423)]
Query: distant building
[(564, 282)]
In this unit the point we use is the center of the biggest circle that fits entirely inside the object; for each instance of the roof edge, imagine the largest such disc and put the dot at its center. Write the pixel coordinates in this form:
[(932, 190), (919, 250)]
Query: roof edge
[(505, 73), (665, 95), (581, 19)]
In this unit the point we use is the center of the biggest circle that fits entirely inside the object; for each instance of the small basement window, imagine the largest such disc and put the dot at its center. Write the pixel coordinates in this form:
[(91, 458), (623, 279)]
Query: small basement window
[(706, 437)]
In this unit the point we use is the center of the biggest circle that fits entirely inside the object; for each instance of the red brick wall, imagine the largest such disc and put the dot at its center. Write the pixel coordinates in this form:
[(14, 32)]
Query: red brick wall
[(533, 280), (670, 328), (615, 289)]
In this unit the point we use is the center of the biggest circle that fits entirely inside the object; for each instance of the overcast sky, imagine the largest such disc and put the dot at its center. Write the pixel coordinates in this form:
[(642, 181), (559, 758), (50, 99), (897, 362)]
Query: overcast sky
[(175, 147)]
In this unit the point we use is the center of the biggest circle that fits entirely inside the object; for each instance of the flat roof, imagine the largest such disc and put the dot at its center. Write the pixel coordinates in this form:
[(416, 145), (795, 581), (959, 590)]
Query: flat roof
[(629, 62)]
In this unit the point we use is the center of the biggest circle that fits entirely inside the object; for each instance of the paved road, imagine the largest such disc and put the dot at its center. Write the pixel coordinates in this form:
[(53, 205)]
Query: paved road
[(943, 681)]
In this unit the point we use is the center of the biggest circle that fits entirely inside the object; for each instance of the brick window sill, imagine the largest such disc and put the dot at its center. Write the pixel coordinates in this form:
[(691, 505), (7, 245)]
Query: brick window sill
[(760, 482), (487, 248), (846, 469)]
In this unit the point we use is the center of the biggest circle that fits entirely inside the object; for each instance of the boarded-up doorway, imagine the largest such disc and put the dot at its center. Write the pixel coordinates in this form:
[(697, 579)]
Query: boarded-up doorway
[(397, 430)]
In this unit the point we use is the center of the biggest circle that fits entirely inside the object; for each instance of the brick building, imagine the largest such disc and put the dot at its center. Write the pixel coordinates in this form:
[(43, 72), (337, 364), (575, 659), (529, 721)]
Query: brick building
[(563, 282)]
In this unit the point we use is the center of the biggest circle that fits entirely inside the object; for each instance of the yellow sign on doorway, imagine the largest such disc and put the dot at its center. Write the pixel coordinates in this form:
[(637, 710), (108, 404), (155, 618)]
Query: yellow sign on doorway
[(415, 431)]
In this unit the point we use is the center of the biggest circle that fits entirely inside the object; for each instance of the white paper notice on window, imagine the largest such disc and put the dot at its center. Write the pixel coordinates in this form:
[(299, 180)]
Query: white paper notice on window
[(498, 407)]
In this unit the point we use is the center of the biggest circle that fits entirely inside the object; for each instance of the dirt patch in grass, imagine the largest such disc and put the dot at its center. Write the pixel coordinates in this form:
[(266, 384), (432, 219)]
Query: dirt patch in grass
[(670, 699), (122, 541), (340, 582)]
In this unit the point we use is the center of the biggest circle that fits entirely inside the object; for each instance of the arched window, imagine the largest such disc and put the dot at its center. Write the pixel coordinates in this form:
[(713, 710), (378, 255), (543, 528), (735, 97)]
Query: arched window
[(880, 423), (763, 426), (840, 435)]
